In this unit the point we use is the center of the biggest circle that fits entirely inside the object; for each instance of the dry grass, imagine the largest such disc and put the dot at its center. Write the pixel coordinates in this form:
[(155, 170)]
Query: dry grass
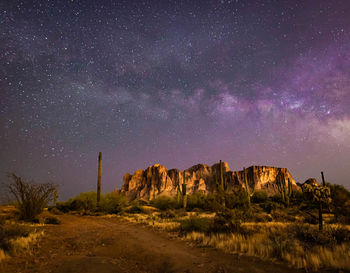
[(152, 220), (292, 252), (256, 241), (24, 243), (2, 255)]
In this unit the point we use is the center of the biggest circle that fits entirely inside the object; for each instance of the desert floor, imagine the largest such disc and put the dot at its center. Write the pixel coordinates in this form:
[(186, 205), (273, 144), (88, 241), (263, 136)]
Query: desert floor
[(99, 244)]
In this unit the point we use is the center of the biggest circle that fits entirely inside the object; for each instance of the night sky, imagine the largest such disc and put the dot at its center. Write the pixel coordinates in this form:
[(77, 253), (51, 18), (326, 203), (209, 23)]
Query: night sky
[(173, 82)]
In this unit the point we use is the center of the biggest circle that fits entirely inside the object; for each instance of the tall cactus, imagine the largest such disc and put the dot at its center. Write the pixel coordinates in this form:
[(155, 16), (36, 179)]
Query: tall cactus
[(246, 185), (184, 196), (221, 177), (290, 188), (55, 197), (99, 178), (284, 189), (181, 191)]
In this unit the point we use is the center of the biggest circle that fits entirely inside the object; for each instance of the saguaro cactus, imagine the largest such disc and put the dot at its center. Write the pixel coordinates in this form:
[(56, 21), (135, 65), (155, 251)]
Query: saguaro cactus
[(99, 178), (221, 177), (290, 188), (181, 191), (323, 181), (246, 185), (184, 196), (320, 217), (55, 197), (285, 190)]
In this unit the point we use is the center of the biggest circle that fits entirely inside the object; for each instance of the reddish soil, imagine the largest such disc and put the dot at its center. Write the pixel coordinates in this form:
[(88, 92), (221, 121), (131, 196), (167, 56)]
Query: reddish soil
[(96, 244)]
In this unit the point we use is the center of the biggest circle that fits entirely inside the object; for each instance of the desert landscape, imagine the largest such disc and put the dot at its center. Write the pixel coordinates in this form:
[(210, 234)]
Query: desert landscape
[(174, 136), (204, 219)]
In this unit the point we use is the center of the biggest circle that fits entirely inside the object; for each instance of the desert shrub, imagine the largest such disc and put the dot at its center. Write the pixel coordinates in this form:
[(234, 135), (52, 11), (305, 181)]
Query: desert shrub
[(269, 206), (168, 214), (212, 202), (52, 221), (340, 234), (197, 200), (310, 235), (340, 204), (164, 203), (277, 198), (84, 201), (194, 223), (54, 210), (236, 199), (259, 197), (135, 208), (280, 242), (227, 221), (31, 199), (261, 217), (113, 202), (62, 206)]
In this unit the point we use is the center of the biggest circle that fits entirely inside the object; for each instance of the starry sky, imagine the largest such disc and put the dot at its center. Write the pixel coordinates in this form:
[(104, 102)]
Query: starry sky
[(173, 82)]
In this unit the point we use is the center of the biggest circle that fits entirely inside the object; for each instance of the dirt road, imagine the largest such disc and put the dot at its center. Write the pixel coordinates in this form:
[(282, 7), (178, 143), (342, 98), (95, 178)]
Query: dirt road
[(95, 244)]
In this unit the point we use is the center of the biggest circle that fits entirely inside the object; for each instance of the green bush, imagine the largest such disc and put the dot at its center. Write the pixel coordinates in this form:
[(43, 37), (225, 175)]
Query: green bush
[(236, 199), (259, 197), (164, 203), (197, 200), (195, 223), (113, 202)]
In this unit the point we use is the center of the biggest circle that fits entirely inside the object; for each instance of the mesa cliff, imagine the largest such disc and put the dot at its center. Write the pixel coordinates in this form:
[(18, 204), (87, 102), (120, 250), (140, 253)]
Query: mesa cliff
[(157, 180)]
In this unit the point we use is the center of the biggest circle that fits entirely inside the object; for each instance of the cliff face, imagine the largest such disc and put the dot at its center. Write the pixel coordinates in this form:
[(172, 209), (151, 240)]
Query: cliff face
[(156, 180)]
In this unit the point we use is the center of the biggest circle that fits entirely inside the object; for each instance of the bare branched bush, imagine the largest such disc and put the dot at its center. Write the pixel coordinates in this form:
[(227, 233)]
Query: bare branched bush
[(31, 199)]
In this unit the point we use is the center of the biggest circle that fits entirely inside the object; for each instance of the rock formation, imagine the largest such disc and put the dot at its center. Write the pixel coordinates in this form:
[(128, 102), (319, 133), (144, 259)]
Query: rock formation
[(156, 180)]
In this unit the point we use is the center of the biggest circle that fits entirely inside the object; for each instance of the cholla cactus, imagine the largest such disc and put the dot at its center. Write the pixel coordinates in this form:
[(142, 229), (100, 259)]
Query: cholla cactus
[(320, 195), (317, 194)]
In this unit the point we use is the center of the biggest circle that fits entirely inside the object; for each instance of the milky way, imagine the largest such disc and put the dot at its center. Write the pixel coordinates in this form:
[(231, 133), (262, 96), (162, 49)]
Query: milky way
[(173, 82)]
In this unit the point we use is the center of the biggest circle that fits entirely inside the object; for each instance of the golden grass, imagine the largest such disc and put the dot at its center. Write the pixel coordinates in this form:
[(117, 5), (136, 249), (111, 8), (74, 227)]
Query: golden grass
[(24, 243), (2, 255), (152, 220), (256, 242), (257, 245)]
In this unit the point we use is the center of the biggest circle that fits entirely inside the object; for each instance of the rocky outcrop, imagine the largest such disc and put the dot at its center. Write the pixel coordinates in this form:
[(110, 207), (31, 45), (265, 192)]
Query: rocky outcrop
[(156, 180)]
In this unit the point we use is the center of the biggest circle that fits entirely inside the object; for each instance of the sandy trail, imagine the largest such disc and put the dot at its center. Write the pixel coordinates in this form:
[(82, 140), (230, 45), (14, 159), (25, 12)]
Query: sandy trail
[(95, 244)]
